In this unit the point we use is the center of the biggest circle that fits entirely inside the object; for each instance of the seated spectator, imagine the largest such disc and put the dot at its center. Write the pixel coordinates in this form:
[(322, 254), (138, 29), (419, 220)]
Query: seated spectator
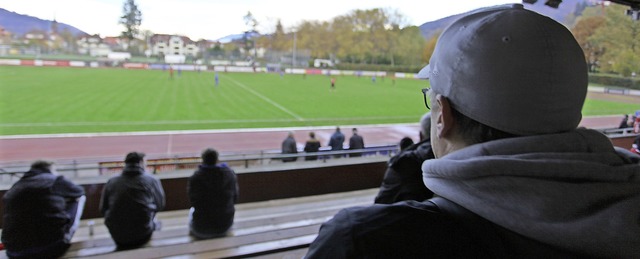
[(625, 122), (635, 147), (355, 142), (336, 142), (312, 146), (41, 213), (513, 176), (213, 192), (405, 143), (403, 179), (130, 202), (289, 146)]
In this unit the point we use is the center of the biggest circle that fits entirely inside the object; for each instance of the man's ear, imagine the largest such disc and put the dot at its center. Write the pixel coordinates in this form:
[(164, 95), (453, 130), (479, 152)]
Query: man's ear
[(445, 122)]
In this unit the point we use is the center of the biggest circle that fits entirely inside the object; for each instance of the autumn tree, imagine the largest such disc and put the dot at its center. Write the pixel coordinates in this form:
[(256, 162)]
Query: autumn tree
[(371, 36), (251, 24), (619, 36), (583, 30), (279, 40)]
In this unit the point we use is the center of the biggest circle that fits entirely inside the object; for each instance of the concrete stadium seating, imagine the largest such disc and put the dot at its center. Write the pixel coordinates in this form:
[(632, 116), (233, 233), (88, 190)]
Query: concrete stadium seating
[(267, 228)]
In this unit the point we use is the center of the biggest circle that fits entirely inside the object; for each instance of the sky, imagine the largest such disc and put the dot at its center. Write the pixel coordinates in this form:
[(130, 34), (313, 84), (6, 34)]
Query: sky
[(214, 19)]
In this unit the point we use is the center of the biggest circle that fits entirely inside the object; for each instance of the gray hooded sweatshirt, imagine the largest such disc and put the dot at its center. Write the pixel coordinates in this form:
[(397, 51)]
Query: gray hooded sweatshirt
[(572, 190)]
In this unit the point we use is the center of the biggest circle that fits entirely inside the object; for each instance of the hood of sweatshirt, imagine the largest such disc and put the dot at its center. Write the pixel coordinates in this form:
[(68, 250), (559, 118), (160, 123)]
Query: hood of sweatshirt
[(571, 190)]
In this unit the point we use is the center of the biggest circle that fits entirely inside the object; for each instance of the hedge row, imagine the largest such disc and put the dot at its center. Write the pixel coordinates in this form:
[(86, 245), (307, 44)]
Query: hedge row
[(373, 67), (615, 80)]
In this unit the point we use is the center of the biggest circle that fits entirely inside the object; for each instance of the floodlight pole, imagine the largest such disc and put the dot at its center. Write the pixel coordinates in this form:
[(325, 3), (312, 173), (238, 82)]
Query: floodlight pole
[(295, 39)]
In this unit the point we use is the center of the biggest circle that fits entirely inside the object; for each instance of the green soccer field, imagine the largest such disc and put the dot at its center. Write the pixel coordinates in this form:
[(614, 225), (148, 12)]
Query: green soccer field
[(38, 100)]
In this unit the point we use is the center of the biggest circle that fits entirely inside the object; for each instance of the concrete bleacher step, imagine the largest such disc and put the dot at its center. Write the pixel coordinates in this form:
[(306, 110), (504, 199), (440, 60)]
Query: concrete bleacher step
[(259, 228), (230, 246), (289, 254), (256, 249)]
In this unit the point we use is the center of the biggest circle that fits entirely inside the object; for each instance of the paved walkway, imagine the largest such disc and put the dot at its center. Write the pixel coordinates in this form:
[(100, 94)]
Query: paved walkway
[(162, 144)]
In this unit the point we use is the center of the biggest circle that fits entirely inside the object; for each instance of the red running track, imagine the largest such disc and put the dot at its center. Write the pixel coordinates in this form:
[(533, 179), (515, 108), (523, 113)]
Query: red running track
[(95, 146)]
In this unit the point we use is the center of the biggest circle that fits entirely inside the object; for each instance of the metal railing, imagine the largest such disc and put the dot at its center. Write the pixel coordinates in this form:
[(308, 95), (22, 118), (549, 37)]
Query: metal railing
[(83, 168)]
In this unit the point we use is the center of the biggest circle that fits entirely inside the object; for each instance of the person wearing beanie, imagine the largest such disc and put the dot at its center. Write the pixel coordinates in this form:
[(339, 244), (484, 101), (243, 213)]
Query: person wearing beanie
[(213, 193), (130, 202), (514, 176), (42, 211)]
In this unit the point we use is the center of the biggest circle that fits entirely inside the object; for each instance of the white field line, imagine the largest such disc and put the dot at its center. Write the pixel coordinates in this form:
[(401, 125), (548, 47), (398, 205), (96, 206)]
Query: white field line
[(209, 131), (267, 99), (115, 123), (170, 144)]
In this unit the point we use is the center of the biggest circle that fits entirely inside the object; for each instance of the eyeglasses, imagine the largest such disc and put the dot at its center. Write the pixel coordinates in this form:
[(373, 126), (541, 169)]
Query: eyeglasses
[(424, 94)]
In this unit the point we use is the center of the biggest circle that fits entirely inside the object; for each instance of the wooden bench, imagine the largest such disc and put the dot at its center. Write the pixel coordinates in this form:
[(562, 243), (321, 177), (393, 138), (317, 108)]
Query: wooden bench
[(259, 228)]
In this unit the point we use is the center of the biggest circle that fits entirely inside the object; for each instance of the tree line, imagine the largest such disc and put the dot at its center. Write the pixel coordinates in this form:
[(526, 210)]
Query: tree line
[(610, 40)]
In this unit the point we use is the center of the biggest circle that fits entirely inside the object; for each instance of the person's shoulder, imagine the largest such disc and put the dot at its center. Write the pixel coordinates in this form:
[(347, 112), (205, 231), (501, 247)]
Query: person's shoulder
[(422, 227), (226, 169), (382, 214)]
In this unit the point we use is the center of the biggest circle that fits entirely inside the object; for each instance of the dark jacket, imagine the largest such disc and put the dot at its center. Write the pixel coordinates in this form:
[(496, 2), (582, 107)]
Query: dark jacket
[(356, 142), (564, 195), (403, 179), (289, 147), (35, 211), (129, 204), (312, 145), (213, 192), (414, 229)]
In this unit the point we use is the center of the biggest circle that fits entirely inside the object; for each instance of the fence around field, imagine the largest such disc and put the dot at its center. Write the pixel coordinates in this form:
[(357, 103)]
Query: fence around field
[(106, 167)]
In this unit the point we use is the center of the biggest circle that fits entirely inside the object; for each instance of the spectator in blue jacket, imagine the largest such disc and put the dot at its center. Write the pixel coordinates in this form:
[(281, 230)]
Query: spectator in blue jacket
[(336, 141)]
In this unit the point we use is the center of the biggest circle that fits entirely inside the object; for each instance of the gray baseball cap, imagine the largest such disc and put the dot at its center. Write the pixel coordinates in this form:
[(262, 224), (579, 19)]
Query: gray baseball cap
[(511, 69)]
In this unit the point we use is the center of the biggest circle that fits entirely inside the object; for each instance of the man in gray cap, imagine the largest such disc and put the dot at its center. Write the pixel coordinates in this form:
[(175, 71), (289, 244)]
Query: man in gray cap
[(513, 175)]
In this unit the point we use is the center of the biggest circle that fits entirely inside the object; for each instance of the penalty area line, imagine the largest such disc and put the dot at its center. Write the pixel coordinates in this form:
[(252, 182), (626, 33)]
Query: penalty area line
[(267, 99)]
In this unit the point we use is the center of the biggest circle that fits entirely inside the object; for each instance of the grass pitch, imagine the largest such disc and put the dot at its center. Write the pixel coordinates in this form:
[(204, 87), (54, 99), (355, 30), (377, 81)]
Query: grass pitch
[(39, 100)]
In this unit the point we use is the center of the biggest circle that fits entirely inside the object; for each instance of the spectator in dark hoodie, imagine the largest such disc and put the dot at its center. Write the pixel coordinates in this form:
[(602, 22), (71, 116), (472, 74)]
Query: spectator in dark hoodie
[(213, 192), (130, 202), (41, 213)]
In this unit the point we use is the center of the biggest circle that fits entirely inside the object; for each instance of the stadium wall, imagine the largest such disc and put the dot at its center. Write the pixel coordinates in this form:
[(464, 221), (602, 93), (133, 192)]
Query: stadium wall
[(186, 67)]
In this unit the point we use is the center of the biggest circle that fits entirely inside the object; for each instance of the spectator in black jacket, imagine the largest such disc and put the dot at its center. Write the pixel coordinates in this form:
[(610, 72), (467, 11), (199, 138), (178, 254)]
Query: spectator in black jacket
[(213, 192), (403, 179), (311, 146), (130, 202), (41, 214), (355, 142)]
